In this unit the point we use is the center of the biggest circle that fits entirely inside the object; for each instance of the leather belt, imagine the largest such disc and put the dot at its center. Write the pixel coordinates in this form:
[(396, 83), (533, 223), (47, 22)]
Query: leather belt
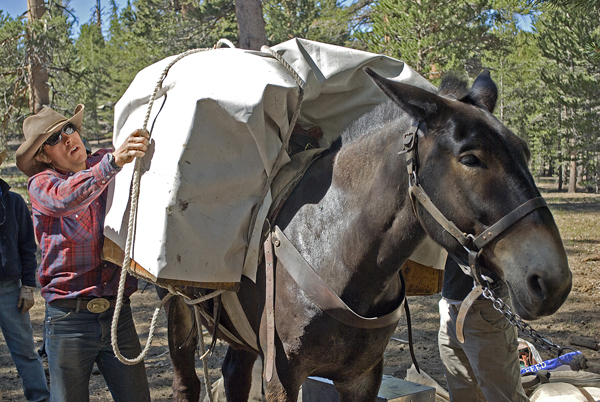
[(92, 304)]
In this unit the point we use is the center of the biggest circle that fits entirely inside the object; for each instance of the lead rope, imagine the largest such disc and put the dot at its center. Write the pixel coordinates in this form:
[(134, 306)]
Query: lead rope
[(134, 196)]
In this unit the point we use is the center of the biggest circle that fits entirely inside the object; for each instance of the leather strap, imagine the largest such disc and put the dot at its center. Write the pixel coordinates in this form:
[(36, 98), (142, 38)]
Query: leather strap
[(409, 328), (531, 381), (462, 312), (518, 213), (270, 307), (420, 195), (321, 294), (586, 394), (233, 307)]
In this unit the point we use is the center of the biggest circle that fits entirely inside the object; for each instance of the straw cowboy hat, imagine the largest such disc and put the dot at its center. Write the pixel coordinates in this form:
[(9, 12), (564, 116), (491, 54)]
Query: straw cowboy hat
[(37, 129)]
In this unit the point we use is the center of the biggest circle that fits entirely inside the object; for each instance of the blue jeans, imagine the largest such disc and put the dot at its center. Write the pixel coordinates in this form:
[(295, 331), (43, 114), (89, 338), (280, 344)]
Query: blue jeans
[(77, 339), (18, 335)]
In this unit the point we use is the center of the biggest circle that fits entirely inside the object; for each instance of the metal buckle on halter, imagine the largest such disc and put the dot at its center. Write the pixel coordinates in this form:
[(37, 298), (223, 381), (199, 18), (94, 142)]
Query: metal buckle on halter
[(412, 179), (408, 139), (98, 305)]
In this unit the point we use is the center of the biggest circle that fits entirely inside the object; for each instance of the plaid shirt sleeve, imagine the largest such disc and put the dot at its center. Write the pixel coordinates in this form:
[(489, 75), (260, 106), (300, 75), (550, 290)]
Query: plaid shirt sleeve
[(60, 195), (68, 215)]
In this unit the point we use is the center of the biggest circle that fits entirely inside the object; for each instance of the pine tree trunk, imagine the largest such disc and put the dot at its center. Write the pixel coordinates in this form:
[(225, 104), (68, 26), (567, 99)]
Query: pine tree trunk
[(39, 93), (573, 174), (251, 24)]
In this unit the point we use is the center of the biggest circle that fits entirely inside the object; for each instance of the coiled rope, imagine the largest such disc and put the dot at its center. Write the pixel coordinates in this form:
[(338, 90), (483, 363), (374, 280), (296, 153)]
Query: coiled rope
[(134, 197)]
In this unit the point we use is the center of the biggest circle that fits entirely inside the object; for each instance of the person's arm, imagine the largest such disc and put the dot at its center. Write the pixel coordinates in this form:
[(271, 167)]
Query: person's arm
[(26, 242), (56, 196), (26, 248)]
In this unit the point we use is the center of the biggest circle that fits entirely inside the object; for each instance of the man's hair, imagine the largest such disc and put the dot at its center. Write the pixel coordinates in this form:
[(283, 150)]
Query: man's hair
[(41, 165)]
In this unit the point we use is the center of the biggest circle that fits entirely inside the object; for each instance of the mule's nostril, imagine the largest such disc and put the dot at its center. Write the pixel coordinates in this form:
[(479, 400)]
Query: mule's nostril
[(536, 286)]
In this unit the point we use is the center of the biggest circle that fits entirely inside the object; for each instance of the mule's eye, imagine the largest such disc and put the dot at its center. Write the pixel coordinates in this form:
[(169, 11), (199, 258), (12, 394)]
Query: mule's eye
[(470, 160)]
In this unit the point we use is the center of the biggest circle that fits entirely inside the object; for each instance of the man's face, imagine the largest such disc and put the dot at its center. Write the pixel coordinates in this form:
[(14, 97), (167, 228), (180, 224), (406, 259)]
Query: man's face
[(67, 155)]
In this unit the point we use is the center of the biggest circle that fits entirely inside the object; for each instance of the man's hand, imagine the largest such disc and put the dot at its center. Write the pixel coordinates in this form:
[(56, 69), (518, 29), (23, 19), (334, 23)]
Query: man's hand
[(134, 146), (26, 299)]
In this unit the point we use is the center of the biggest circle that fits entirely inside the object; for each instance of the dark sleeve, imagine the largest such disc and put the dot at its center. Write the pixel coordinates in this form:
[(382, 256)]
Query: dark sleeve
[(26, 242), (457, 284)]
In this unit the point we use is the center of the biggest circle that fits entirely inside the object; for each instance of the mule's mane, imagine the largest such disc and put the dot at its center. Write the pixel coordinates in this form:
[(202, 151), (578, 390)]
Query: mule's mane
[(372, 121), (454, 85)]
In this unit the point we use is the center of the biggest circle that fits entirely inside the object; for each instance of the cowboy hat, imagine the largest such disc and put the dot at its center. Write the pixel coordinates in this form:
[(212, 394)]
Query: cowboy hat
[(37, 129)]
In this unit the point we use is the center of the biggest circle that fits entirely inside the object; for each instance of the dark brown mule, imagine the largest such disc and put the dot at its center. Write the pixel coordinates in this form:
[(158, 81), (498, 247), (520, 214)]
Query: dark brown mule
[(353, 220)]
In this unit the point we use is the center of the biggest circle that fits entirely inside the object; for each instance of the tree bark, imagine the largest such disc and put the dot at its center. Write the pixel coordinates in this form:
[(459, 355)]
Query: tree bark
[(39, 90), (573, 174), (251, 24)]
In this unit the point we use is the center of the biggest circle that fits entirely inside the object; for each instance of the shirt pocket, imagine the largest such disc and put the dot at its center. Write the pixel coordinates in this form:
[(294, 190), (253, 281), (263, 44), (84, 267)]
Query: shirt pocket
[(78, 228)]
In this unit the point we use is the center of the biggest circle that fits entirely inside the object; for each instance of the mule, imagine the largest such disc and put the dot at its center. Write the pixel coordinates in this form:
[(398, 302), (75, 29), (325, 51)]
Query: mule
[(355, 220)]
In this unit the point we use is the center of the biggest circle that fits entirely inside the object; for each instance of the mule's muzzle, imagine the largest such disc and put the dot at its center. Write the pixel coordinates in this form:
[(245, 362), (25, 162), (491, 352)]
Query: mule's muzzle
[(539, 296)]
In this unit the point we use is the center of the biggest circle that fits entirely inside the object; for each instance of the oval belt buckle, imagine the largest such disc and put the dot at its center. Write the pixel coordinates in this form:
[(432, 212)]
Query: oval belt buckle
[(99, 305)]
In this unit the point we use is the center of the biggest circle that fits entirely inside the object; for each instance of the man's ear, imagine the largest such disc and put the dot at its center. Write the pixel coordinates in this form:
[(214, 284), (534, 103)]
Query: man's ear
[(42, 157)]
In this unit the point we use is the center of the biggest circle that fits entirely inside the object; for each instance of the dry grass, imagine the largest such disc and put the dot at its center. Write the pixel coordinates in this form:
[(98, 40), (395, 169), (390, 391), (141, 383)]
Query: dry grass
[(578, 218)]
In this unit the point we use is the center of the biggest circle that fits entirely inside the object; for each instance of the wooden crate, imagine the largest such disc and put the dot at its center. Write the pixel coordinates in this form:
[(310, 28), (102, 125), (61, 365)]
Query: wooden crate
[(422, 280), (113, 253)]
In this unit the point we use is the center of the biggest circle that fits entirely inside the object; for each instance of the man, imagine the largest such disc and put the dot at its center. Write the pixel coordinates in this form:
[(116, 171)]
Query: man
[(17, 283), (67, 189), (486, 366)]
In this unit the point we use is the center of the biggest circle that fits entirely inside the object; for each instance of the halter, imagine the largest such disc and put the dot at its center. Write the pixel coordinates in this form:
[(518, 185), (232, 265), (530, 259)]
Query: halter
[(472, 245)]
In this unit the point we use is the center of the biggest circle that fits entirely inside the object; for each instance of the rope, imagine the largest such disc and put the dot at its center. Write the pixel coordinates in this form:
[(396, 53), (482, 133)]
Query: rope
[(199, 300), (134, 197), (284, 141), (204, 354)]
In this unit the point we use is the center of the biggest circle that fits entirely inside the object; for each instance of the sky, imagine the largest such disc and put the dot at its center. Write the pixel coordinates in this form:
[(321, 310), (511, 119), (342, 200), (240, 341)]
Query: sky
[(83, 9)]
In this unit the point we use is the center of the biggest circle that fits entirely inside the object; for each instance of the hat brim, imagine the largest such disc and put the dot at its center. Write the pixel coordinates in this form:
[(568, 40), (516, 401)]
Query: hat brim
[(25, 154)]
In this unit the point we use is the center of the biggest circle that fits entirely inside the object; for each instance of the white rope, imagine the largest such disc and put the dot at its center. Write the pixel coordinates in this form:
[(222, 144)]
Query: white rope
[(284, 141), (204, 354), (134, 196), (199, 300)]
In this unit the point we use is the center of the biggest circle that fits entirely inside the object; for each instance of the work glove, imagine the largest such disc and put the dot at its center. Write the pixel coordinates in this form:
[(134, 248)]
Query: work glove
[(26, 299)]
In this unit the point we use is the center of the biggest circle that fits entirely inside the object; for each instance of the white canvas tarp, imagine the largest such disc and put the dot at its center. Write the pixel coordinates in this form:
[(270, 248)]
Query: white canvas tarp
[(216, 129)]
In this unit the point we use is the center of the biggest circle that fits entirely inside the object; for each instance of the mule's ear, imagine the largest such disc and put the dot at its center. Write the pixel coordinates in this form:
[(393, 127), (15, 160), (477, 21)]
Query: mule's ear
[(484, 92), (417, 102)]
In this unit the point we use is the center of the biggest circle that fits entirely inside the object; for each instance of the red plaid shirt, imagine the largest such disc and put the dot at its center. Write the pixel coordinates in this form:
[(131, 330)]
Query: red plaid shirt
[(68, 215)]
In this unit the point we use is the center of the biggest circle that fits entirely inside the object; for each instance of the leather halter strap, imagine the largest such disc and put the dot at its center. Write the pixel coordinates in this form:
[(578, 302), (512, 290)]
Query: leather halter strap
[(270, 307), (508, 220), (473, 245), (321, 294), (466, 240)]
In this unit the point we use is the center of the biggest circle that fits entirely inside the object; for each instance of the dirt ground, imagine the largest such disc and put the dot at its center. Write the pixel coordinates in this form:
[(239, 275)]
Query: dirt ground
[(578, 218)]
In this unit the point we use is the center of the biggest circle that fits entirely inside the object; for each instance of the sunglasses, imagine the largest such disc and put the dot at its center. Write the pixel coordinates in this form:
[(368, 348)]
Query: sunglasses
[(56, 137)]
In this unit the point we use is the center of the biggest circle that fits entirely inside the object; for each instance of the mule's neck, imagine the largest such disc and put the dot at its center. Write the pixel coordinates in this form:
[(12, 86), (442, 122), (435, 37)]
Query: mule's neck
[(372, 183), (363, 228)]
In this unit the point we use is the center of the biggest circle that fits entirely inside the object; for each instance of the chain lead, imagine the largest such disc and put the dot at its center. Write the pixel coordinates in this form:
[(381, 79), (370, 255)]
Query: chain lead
[(522, 326)]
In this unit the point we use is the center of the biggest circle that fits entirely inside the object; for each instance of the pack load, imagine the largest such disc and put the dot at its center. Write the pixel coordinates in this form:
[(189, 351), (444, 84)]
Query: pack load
[(218, 123)]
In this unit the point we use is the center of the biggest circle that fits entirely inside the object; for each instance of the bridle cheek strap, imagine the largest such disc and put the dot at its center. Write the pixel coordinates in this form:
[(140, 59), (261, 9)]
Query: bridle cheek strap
[(417, 193)]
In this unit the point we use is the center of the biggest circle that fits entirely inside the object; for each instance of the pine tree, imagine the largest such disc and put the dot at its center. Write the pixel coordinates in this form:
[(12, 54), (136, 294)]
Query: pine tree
[(431, 36), (572, 77), (45, 42), (324, 21)]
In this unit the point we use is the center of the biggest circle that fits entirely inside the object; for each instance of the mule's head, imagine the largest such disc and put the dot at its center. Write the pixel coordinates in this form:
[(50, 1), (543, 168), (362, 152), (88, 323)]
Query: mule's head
[(476, 172)]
